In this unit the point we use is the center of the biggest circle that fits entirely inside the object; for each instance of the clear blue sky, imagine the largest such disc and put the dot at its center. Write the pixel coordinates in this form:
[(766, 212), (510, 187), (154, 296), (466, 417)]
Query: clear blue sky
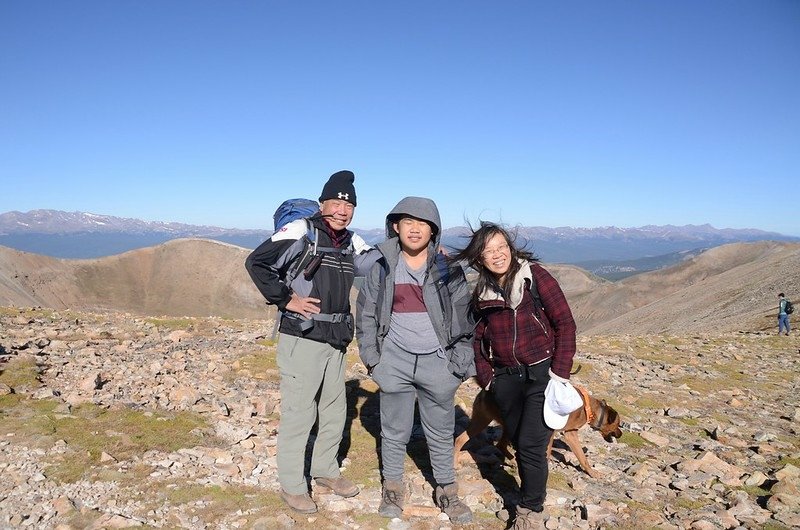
[(551, 114)]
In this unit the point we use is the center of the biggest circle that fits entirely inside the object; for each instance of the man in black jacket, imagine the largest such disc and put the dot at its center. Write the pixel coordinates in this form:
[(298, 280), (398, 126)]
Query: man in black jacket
[(315, 330)]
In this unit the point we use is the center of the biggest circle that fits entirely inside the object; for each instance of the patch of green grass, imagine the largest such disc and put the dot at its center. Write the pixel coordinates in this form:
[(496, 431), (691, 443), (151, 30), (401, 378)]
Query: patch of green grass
[(783, 376), (557, 480), (774, 525), (633, 439), (648, 402), (90, 430), (19, 372), (789, 460), (754, 491), (691, 504), (29, 312), (706, 385), (67, 469), (16, 413), (691, 422), (197, 325), (132, 430), (7, 402), (220, 501), (258, 364), (268, 343), (83, 519), (363, 456), (586, 369), (732, 371), (172, 323), (634, 505), (703, 433), (238, 497)]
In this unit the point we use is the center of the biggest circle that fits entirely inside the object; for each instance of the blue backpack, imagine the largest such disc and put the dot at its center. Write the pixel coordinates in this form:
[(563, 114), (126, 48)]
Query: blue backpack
[(310, 258), (293, 209)]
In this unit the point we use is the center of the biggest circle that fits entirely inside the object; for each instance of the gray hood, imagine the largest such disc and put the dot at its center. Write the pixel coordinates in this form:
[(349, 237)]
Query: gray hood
[(418, 207)]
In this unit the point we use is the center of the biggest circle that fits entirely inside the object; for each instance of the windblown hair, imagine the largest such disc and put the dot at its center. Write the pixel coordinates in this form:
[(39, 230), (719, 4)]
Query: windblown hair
[(471, 254)]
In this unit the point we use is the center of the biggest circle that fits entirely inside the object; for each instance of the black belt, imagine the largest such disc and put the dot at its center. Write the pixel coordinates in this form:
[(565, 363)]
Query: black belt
[(527, 371), (519, 369)]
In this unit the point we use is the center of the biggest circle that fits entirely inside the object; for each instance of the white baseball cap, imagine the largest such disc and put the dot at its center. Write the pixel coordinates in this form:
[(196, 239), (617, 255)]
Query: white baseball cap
[(560, 399)]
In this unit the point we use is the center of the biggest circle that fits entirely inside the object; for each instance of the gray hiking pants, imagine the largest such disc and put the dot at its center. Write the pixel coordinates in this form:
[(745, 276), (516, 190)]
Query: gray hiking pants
[(312, 388), (404, 377)]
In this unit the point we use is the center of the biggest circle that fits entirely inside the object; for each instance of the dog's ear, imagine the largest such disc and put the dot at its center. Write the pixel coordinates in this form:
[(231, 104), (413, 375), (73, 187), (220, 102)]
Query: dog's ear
[(611, 429), (603, 402)]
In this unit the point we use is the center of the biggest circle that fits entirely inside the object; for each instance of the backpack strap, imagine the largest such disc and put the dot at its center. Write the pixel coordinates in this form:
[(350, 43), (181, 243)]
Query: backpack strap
[(443, 290), (309, 249), (308, 323), (444, 268), (315, 251), (534, 290)]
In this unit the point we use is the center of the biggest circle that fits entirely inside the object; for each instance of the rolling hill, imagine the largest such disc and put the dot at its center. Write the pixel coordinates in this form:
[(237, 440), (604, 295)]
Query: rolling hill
[(192, 277), (728, 288)]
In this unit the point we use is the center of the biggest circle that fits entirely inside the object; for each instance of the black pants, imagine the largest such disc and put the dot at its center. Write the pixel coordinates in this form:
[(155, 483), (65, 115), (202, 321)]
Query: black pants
[(520, 397)]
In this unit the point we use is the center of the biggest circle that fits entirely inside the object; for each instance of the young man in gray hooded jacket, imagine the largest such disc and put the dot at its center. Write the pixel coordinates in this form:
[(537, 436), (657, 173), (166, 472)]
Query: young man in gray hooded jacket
[(414, 335)]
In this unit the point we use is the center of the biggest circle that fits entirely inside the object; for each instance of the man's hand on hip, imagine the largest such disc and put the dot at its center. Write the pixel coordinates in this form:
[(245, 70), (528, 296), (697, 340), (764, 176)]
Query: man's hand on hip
[(305, 306)]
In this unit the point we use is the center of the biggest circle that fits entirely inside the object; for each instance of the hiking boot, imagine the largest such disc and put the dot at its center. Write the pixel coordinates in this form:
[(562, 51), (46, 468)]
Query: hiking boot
[(392, 497), (339, 485), (446, 498), (527, 519), (302, 503)]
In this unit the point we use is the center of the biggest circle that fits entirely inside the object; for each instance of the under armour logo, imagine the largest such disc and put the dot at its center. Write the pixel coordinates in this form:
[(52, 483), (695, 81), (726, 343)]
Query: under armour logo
[(344, 196)]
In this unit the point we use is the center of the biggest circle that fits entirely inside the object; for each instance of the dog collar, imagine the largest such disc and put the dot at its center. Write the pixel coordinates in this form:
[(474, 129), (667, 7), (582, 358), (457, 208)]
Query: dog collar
[(586, 405)]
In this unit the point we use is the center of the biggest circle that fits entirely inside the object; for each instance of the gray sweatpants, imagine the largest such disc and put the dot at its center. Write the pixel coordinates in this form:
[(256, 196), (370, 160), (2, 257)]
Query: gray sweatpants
[(404, 377), (312, 388)]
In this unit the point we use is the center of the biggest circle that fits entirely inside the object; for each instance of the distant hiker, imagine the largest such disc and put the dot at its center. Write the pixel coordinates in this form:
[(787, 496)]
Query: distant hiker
[(414, 336), (523, 346), (783, 313), (315, 330)]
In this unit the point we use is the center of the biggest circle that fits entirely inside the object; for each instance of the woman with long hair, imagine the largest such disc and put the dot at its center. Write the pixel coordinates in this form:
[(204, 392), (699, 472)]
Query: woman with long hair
[(525, 337)]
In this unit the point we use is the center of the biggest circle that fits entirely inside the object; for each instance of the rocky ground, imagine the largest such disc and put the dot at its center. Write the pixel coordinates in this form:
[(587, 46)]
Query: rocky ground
[(114, 421)]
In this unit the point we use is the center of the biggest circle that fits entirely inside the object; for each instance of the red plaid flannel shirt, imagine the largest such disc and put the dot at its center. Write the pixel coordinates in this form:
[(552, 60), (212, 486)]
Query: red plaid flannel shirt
[(508, 337)]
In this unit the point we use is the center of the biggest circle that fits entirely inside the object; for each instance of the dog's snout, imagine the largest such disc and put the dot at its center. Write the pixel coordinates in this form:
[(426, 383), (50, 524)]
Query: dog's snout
[(610, 437)]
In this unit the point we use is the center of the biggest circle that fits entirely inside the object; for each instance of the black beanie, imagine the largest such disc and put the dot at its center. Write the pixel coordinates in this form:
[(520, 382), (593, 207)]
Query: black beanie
[(340, 186)]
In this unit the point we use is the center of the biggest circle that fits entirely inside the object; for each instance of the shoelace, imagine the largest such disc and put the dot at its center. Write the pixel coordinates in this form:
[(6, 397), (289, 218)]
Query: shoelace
[(445, 502), (390, 496)]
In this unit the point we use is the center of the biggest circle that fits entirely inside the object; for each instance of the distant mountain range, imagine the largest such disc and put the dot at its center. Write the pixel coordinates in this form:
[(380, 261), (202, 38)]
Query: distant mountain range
[(609, 252)]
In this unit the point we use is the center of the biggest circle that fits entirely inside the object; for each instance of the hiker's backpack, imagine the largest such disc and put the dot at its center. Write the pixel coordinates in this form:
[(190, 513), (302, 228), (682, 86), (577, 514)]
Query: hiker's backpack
[(788, 308), (310, 258), (293, 209)]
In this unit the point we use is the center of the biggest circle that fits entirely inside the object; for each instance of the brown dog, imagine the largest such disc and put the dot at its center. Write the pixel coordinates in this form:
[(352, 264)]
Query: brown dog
[(595, 412)]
